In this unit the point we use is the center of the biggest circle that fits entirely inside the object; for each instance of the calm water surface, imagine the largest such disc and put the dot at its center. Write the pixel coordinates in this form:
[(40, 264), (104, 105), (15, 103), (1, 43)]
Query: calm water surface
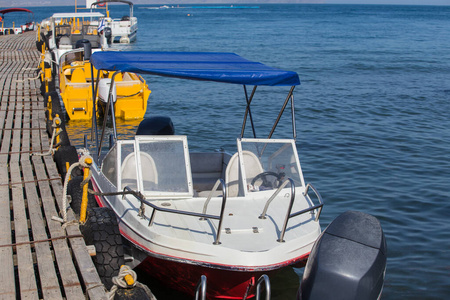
[(372, 114)]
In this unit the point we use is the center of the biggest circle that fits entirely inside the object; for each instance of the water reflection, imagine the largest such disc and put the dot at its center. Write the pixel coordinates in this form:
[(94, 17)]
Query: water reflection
[(78, 129)]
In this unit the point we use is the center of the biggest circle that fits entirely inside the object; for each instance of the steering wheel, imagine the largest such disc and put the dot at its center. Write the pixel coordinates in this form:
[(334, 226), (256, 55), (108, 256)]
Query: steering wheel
[(265, 182)]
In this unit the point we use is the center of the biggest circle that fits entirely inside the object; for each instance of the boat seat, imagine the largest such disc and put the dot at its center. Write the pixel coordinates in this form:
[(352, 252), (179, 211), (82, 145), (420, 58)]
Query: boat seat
[(65, 40), (126, 77), (127, 81), (117, 78), (233, 177), (87, 66), (206, 168), (129, 171), (78, 76)]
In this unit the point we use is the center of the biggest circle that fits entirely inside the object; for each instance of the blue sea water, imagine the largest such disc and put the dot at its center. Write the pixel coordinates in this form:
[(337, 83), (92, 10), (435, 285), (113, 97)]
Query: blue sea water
[(372, 114)]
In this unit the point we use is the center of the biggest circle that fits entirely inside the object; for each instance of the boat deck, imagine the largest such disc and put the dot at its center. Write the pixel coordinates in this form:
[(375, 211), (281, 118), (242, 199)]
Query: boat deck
[(39, 259)]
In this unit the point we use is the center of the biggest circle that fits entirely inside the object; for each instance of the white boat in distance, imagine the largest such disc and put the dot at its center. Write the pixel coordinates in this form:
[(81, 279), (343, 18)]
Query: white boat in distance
[(230, 217), (28, 25), (62, 31), (123, 30)]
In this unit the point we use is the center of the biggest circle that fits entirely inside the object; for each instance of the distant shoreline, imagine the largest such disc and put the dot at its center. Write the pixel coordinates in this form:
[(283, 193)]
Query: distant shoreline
[(201, 7)]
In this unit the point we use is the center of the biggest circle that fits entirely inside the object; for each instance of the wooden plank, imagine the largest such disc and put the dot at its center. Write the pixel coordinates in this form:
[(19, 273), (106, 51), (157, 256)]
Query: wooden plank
[(50, 286), (67, 271), (27, 277), (22, 107), (7, 276), (66, 268), (92, 282), (47, 272)]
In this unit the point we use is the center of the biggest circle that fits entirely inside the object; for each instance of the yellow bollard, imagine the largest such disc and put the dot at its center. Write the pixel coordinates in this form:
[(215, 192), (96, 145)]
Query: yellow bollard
[(84, 199), (57, 123), (128, 278), (42, 65), (67, 169)]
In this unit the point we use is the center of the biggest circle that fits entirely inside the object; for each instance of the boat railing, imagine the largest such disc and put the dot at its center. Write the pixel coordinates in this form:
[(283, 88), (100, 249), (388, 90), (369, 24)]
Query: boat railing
[(316, 192), (291, 203), (200, 291), (216, 185), (156, 208), (263, 279)]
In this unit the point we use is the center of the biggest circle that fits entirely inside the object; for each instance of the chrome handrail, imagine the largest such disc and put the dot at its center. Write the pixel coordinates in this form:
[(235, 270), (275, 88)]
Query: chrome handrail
[(216, 185), (264, 278), (142, 199), (291, 203), (201, 289), (305, 193), (288, 180)]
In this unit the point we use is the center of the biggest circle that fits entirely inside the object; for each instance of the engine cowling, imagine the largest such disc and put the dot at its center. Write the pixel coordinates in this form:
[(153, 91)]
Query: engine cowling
[(348, 261)]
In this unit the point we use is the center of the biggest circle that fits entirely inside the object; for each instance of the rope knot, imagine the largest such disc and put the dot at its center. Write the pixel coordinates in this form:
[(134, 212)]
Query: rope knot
[(56, 122), (126, 277), (86, 161)]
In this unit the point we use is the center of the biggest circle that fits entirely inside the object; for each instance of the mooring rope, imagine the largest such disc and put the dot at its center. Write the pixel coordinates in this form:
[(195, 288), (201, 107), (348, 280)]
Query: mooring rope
[(124, 282), (29, 78), (42, 241), (56, 131), (83, 164)]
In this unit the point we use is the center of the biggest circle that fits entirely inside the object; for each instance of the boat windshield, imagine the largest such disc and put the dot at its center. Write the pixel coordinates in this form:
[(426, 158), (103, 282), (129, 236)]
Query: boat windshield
[(161, 168), (268, 162)]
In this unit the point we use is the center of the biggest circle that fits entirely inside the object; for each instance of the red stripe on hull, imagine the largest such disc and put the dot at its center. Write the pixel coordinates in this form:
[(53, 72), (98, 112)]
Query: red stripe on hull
[(184, 277), (221, 284)]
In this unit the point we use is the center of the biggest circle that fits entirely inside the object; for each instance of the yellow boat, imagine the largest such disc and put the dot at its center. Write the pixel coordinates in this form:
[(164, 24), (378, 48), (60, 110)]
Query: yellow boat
[(130, 91)]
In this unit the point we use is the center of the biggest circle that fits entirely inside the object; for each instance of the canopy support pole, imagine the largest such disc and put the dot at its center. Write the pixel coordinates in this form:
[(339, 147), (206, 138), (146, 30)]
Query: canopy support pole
[(294, 129), (248, 111), (94, 132), (105, 117), (281, 111)]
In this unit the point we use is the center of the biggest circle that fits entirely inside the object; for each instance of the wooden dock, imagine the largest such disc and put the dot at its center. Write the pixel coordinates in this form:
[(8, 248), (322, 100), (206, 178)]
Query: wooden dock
[(39, 259)]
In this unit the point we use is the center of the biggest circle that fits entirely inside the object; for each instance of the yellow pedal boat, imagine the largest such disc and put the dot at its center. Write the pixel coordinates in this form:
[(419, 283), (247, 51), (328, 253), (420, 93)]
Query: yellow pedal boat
[(75, 84)]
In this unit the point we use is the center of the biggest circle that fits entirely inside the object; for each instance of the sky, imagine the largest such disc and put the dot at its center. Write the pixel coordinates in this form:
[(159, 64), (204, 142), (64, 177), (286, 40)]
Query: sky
[(29, 3)]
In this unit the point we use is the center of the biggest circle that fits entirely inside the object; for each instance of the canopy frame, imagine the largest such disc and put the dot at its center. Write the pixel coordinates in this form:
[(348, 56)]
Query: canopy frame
[(102, 61), (131, 5)]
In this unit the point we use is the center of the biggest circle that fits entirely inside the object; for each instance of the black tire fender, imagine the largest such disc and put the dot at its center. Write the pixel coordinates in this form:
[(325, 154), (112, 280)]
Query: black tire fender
[(102, 231), (64, 155)]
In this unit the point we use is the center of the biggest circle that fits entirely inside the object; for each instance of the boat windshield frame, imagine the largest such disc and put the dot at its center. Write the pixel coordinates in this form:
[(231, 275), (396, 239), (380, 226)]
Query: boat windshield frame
[(263, 152), (162, 162)]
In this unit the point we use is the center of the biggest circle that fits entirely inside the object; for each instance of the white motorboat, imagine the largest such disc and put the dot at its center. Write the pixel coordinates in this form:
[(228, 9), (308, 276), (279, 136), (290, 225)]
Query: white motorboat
[(63, 32), (120, 30), (229, 216)]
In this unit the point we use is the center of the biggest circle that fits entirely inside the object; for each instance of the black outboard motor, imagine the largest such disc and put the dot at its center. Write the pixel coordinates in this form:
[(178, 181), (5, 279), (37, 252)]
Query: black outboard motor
[(347, 262), (156, 126), (108, 34), (86, 44)]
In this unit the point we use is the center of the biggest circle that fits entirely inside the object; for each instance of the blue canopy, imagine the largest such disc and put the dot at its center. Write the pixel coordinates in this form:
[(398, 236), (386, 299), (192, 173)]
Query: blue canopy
[(209, 66)]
